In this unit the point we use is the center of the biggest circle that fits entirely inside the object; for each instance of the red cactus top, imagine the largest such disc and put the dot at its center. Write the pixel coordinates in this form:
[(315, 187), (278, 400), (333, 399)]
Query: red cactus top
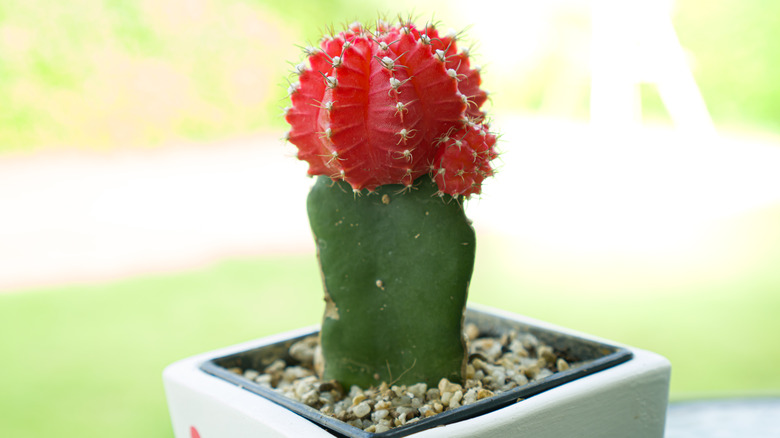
[(389, 105)]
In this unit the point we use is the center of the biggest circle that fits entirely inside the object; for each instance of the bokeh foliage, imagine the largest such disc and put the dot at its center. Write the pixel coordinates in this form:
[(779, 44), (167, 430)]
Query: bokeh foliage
[(87, 73)]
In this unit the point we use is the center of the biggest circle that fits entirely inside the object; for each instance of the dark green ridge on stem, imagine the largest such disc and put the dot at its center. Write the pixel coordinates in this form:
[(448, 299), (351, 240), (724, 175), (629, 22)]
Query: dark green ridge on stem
[(396, 266)]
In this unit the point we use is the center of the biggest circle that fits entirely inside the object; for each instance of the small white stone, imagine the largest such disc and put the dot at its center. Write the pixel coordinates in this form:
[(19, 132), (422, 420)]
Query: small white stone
[(447, 386), (264, 380), (303, 350), (405, 410), (497, 376), (251, 374), (310, 398), (358, 398), (418, 390), (403, 400), (362, 409), (546, 352), (384, 404), (530, 341), (520, 379), (470, 371), (472, 331), (487, 347), (326, 398), (302, 386), (484, 393), (544, 372), (379, 415), (277, 365), (426, 411), (531, 372), (470, 396), (296, 372)]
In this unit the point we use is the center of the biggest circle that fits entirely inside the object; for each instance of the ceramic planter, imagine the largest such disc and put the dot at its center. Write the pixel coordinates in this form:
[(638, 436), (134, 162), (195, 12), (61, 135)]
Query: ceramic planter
[(620, 392)]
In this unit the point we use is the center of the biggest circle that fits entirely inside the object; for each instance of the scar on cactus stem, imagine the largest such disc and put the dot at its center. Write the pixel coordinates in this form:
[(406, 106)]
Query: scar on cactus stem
[(392, 111)]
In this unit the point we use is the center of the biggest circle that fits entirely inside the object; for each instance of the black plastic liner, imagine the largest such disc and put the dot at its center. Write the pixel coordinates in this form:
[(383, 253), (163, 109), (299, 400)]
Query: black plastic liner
[(597, 357)]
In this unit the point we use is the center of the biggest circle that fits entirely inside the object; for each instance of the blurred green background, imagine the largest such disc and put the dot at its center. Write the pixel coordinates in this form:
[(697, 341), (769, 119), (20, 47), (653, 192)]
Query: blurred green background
[(100, 74), (86, 360)]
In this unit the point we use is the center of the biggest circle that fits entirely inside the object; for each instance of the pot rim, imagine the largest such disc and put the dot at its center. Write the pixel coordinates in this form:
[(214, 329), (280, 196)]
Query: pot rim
[(606, 356)]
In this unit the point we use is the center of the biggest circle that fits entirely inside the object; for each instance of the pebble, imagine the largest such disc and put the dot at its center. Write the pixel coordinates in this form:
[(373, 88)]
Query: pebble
[(418, 390), (296, 372), (472, 331), (383, 405), (520, 379), (488, 347), (362, 409), (311, 397), (495, 365), (455, 399), (470, 396), (484, 393), (357, 399), (303, 350), (264, 379), (379, 415), (276, 366)]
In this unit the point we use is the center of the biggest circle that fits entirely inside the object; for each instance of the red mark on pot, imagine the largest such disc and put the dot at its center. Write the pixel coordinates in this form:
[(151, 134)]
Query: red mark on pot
[(194, 432)]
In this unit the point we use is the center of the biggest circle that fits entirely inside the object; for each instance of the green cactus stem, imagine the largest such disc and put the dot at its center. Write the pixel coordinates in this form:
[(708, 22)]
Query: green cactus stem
[(396, 269)]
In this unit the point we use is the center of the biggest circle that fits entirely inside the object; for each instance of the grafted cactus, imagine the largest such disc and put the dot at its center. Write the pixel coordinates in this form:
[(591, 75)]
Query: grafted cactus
[(390, 118)]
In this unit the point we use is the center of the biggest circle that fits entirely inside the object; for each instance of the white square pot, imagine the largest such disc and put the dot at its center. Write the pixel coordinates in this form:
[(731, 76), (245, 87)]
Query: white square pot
[(625, 400)]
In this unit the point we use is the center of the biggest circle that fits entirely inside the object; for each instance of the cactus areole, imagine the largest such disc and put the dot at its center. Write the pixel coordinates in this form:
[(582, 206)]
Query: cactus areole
[(389, 119)]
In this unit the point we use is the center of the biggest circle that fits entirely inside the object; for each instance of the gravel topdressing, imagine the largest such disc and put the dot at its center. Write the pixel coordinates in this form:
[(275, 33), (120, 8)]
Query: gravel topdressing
[(495, 365)]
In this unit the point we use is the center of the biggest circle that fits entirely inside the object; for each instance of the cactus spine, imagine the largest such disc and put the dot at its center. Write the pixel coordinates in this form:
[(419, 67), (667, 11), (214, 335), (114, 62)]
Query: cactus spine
[(390, 118)]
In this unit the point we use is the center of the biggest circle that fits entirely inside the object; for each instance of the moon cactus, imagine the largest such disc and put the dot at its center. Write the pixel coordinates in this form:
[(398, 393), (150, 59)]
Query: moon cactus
[(390, 121)]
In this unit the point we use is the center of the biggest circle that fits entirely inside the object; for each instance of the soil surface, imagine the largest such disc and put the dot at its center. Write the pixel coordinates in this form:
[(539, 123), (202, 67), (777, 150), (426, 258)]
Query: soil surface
[(495, 365)]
